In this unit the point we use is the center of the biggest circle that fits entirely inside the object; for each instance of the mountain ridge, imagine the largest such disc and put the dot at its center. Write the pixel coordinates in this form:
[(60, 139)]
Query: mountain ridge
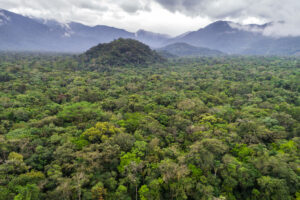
[(69, 37), (187, 50), (234, 38), (21, 33)]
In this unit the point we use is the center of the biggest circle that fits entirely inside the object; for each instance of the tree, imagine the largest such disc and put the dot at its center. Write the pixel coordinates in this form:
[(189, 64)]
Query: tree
[(273, 188), (121, 193), (28, 192), (99, 191), (79, 112), (14, 164), (101, 132), (174, 175), (207, 153)]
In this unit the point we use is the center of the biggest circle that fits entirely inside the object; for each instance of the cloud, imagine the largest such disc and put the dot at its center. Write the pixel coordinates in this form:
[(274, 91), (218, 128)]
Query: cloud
[(209, 8), (178, 16), (239, 10), (249, 28), (280, 29), (130, 15), (134, 6)]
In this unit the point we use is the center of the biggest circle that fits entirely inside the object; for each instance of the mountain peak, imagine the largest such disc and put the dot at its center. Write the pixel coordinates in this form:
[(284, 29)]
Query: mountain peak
[(141, 31), (219, 26), (122, 52), (220, 22), (149, 33)]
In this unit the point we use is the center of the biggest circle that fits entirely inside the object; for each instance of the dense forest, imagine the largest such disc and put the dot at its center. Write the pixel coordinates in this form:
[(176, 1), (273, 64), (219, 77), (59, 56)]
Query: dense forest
[(121, 52), (222, 128)]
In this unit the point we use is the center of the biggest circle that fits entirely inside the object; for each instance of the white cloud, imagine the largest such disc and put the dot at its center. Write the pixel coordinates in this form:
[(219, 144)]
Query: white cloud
[(165, 16), (243, 10), (251, 28)]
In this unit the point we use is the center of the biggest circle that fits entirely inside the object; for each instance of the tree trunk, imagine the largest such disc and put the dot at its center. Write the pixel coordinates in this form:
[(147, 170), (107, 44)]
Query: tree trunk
[(136, 193)]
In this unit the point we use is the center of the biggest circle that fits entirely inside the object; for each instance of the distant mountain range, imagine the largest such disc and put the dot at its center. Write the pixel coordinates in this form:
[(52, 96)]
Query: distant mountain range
[(234, 38), (21, 33)]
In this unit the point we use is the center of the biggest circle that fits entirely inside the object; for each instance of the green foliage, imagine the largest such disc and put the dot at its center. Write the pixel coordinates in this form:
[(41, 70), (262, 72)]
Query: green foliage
[(28, 192), (99, 191), (144, 193), (79, 112), (198, 128), (273, 188), (196, 172), (13, 156), (122, 193), (122, 52), (126, 159), (101, 132), (20, 134), (131, 122), (27, 178)]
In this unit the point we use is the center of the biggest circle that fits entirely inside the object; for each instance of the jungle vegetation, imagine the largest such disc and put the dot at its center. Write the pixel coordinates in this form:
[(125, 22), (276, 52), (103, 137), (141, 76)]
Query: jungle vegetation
[(203, 128)]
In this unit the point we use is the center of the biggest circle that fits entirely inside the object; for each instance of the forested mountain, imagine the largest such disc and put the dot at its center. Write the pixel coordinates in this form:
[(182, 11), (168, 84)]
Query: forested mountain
[(184, 49), (209, 128), (222, 36), (19, 33), (234, 38)]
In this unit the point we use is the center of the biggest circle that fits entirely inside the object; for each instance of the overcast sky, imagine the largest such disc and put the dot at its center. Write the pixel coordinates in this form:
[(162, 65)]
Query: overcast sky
[(164, 16)]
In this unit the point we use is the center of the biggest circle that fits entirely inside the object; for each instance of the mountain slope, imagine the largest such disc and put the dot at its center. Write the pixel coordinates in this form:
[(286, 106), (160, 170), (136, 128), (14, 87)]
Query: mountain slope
[(220, 35), (183, 49), (234, 38), (19, 33)]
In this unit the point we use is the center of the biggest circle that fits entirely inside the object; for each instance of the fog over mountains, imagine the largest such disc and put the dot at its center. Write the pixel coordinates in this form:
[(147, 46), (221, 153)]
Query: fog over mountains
[(20, 33)]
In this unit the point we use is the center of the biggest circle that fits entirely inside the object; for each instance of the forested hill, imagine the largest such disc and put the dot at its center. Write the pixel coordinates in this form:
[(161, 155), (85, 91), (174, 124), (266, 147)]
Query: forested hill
[(121, 52), (186, 50)]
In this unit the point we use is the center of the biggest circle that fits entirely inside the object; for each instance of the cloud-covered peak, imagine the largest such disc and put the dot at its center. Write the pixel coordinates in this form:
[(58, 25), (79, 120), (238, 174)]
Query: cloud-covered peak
[(167, 16), (240, 11), (248, 27)]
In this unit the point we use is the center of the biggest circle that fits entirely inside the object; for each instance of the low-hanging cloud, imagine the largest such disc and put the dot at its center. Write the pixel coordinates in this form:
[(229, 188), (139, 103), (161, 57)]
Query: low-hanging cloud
[(131, 13), (285, 14)]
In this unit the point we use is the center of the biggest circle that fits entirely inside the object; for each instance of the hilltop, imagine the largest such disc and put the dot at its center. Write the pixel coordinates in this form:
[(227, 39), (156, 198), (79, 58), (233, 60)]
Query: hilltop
[(122, 52)]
